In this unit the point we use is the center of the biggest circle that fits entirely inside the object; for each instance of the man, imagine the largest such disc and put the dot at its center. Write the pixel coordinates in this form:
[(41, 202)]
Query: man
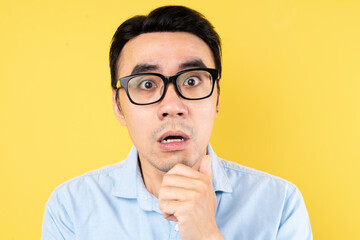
[(165, 70)]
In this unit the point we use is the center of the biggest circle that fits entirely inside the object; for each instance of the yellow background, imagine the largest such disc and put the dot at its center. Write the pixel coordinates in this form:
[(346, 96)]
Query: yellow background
[(289, 100)]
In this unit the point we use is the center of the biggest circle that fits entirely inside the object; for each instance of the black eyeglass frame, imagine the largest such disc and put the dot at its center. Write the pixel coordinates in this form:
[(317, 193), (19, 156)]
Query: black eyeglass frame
[(124, 81)]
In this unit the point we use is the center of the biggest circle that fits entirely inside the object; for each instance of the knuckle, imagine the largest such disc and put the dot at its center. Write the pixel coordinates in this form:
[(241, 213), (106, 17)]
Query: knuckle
[(202, 186), (165, 180), (178, 166), (190, 206), (194, 195), (163, 205), (161, 193)]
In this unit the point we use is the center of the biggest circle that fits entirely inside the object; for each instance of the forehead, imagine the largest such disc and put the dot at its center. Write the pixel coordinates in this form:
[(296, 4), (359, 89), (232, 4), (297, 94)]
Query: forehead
[(168, 51)]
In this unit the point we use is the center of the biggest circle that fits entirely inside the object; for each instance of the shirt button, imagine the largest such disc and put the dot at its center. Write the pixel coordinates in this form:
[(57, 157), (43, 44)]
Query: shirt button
[(176, 228)]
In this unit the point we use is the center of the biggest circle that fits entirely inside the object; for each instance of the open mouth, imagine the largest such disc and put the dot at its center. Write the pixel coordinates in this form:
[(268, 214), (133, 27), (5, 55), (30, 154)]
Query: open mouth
[(171, 139)]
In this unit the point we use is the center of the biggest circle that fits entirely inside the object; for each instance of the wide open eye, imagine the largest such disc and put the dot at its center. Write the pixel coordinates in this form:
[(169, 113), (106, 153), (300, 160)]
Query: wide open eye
[(146, 85), (145, 82), (192, 81), (145, 88), (194, 84)]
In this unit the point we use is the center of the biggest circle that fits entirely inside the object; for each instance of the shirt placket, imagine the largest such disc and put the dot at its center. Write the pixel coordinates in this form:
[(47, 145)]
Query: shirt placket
[(174, 230)]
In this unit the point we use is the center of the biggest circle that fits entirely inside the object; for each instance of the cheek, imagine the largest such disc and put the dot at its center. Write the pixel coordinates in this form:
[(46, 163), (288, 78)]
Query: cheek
[(134, 115), (205, 117), (135, 121), (139, 130)]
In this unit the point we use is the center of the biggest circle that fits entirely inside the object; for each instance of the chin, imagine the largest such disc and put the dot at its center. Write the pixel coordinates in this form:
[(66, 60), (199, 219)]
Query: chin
[(167, 163)]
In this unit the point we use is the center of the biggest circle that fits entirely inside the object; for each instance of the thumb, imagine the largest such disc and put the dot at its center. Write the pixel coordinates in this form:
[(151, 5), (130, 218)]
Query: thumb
[(205, 166)]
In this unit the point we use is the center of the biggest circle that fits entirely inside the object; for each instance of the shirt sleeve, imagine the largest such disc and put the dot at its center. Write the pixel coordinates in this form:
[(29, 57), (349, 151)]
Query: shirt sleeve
[(57, 224), (295, 223)]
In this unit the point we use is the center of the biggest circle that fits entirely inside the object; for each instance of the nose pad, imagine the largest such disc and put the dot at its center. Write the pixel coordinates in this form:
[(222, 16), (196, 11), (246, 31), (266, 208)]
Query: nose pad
[(172, 104)]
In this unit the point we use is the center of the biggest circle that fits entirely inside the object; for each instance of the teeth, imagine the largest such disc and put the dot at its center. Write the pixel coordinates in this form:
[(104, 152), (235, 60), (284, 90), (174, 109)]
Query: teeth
[(172, 140)]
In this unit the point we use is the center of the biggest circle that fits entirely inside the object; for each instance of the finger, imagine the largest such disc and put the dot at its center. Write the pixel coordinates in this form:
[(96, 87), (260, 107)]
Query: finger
[(171, 218), (205, 166), (180, 181), (177, 193), (183, 170), (169, 208)]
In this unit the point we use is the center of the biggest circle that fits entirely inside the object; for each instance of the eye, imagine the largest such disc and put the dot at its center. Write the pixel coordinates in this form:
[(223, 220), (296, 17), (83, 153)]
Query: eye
[(192, 81), (146, 85)]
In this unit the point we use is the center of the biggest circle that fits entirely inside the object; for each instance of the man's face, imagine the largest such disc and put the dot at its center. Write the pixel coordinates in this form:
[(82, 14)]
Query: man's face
[(191, 121)]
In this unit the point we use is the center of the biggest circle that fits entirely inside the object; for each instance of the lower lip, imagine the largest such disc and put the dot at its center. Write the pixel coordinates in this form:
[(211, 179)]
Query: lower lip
[(174, 146)]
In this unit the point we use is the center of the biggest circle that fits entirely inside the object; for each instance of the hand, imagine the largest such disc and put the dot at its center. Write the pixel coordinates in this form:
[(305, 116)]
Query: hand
[(187, 196)]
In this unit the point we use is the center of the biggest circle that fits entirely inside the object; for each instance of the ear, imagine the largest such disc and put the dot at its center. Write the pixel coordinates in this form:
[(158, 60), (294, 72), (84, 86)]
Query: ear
[(117, 109), (217, 105)]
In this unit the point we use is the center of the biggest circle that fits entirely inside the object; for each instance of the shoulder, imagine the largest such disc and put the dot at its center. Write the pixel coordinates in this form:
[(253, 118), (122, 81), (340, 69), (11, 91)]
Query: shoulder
[(245, 178), (264, 198), (106, 172), (80, 187), (263, 191)]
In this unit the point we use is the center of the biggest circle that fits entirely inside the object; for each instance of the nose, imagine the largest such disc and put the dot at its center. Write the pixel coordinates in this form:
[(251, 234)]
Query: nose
[(172, 105)]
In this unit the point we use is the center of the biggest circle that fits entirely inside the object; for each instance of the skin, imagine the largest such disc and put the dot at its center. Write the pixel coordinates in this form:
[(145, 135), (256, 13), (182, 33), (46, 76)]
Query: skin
[(180, 179)]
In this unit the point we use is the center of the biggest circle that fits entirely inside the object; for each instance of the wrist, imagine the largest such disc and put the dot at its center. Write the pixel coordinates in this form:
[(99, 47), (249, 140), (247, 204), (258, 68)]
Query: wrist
[(214, 235)]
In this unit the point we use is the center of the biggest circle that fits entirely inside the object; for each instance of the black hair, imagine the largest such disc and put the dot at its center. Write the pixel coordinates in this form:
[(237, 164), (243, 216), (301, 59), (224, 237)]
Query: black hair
[(165, 19)]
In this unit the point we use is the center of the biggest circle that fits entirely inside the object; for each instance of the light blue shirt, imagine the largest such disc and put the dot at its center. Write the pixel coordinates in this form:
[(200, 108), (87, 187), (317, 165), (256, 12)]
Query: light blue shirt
[(112, 203)]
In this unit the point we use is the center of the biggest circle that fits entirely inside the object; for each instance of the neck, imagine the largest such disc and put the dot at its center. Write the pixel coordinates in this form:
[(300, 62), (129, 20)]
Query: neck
[(153, 177)]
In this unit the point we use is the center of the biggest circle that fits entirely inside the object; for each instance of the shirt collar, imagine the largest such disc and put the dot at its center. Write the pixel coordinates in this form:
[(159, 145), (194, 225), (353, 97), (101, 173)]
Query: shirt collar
[(129, 182), (126, 176), (221, 181)]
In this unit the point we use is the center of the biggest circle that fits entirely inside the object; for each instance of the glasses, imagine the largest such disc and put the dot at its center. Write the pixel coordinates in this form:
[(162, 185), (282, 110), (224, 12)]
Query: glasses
[(149, 88)]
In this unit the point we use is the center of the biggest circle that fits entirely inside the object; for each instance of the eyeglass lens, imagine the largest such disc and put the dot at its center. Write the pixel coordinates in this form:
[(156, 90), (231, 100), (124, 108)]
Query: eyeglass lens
[(149, 88)]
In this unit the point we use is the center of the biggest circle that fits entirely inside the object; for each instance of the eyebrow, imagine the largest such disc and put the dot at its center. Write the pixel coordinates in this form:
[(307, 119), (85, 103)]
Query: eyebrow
[(144, 67), (196, 63)]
